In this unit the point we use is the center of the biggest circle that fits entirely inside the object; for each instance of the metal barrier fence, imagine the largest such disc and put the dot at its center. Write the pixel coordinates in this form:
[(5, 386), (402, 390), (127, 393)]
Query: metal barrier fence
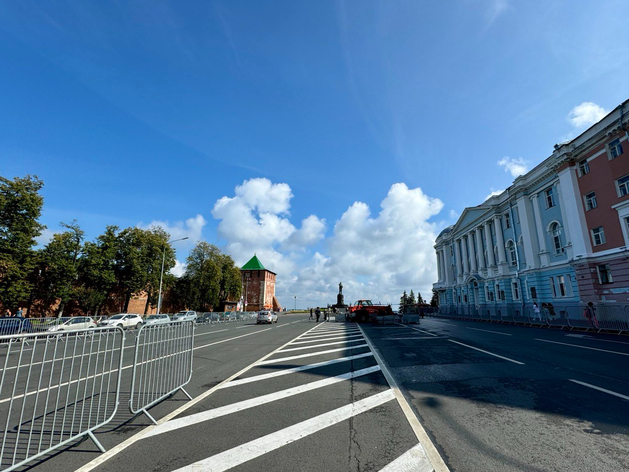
[(601, 317), (55, 389), (162, 364)]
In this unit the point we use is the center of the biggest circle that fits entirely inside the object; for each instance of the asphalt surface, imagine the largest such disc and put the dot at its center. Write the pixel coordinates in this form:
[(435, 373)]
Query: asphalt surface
[(301, 396), (524, 411)]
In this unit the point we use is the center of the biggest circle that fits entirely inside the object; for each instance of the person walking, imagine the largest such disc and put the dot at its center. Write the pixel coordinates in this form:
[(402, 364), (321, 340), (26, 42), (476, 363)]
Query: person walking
[(537, 313), (317, 314), (8, 313), (590, 314), (19, 312), (311, 317)]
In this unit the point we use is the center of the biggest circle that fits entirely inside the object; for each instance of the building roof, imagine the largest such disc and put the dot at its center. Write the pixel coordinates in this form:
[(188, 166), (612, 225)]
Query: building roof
[(253, 264)]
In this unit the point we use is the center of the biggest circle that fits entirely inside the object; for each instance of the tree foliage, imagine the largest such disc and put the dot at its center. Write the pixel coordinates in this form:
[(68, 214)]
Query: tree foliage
[(403, 299), (20, 209)]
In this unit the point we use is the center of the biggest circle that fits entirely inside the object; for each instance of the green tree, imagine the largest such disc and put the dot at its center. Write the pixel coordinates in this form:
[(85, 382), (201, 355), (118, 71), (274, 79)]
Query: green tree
[(434, 301), (20, 209), (411, 298), (403, 300), (420, 300), (60, 265), (97, 270)]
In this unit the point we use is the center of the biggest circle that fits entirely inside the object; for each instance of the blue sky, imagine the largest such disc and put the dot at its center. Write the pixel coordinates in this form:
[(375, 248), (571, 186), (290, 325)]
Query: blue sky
[(354, 131)]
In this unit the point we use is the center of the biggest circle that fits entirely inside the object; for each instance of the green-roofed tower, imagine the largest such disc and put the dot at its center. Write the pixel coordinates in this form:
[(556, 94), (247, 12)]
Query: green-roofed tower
[(258, 286)]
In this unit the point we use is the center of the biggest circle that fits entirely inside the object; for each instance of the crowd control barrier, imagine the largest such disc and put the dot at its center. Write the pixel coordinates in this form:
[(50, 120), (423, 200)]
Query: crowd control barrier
[(162, 364), (54, 389)]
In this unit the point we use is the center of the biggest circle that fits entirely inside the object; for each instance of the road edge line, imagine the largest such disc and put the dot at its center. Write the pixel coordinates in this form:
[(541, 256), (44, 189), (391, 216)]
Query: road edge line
[(435, 459), (140, 435)]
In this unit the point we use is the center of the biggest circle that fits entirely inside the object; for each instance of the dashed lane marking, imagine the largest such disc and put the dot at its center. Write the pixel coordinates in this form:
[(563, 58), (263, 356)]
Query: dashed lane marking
[(488, 331), (486, 352), (600, 389), (258, 447), (584, 347)]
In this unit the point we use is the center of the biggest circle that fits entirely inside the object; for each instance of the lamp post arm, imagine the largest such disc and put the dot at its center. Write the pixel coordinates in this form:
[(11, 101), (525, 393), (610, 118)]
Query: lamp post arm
[(161, 278)]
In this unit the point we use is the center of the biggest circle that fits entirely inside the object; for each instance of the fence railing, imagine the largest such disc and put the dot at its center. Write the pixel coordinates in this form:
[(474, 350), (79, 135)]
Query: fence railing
[(55, 389), (607, 317), (162, 364)]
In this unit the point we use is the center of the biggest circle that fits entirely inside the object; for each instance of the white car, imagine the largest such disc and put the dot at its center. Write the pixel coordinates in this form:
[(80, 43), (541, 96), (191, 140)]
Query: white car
[(266, 316), (157, 319), (74, 323), (123, 320), (185, 316)]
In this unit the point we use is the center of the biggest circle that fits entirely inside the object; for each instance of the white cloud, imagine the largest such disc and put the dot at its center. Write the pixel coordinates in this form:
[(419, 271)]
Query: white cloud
[(454, 215), (496, 9), (179, 269), (493, 193), (514, 165), (191, 228), (586, 114), (375, 256), (45, 237)]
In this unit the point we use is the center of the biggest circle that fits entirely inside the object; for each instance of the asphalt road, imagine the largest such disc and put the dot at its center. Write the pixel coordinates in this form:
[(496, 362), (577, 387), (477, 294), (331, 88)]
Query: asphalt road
[(535, 400), (301, 396)]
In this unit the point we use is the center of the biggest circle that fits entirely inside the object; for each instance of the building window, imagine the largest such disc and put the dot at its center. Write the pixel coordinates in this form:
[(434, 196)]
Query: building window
[(622, 186), (502, 295), (552, 286), (561, 284), (555, 232), (584, 167), (533, 292), (511, 251), (490, 296), (604, 274), (598, 236), (550, 198), (590, 201), (507, 221), (516, 291), (615, 149)]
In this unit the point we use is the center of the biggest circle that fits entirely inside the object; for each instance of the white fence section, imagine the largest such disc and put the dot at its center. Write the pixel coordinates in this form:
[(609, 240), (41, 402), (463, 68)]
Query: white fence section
[(162, 364), (56, 388)]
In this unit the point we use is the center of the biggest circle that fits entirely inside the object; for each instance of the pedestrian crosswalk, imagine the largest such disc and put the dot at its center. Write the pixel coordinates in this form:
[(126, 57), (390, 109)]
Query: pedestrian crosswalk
[(323, 393)]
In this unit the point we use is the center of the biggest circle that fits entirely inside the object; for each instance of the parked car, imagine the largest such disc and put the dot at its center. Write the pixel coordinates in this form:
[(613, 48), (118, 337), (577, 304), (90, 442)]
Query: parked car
[(185, 316), (266, 316), (123, 320), (157, 319), (74, 323), (15, 325)]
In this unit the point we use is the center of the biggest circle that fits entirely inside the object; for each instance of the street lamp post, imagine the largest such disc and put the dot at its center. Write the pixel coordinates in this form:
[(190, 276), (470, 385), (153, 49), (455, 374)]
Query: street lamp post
[(161, 276), (295, 302)]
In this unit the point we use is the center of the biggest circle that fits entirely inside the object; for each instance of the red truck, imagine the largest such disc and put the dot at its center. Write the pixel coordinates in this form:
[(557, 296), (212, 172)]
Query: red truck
[(363, 309)]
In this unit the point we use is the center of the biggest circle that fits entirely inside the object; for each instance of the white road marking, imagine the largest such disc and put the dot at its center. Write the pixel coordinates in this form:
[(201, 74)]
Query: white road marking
[(247, 326), (138, 436), (301, 348), (405, 338), (422, 331), (209, 332), (431, 451), (255, 378), (231, 339), (619, 395), (486, 352), (328, 339), (301, 356), (592, 338), (488, 331), (256, 401), (260, 446), (584, 347), (413, 460), (335, 330), (281, 326), (320, 336)]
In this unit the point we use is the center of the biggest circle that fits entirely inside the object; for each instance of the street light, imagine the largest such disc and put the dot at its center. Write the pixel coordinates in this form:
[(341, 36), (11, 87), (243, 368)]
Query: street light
[(161, 276), (295, 302)]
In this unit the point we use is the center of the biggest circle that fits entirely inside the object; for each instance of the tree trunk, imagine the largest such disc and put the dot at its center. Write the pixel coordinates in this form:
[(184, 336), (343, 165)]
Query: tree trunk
[(146, 305), (127, 299), (61, 306)]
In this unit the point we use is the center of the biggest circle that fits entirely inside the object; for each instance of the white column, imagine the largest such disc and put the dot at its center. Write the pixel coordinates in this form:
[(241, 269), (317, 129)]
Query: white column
[(490, 245), (459, 262), (465, 254), (439, 266), (541, 231), (448, 264), (529, 233), (470, 242), (479, 249), (500, 241), (572, 211)]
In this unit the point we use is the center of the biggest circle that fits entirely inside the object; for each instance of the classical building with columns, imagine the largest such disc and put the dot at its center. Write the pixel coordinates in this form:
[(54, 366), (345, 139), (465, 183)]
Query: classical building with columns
[(559, 234)]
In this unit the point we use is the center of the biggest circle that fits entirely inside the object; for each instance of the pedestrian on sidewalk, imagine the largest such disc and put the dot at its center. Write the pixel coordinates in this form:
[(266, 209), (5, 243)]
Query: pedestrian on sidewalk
[(317, 313), (590, 314), (537, 314)]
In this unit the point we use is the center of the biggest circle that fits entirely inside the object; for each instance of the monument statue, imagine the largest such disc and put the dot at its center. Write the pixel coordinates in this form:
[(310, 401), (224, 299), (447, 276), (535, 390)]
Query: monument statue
[(340, 299)]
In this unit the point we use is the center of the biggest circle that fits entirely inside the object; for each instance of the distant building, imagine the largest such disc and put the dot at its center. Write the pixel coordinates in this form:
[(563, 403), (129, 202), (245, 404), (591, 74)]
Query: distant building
[(559, 234), (258, 287)]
